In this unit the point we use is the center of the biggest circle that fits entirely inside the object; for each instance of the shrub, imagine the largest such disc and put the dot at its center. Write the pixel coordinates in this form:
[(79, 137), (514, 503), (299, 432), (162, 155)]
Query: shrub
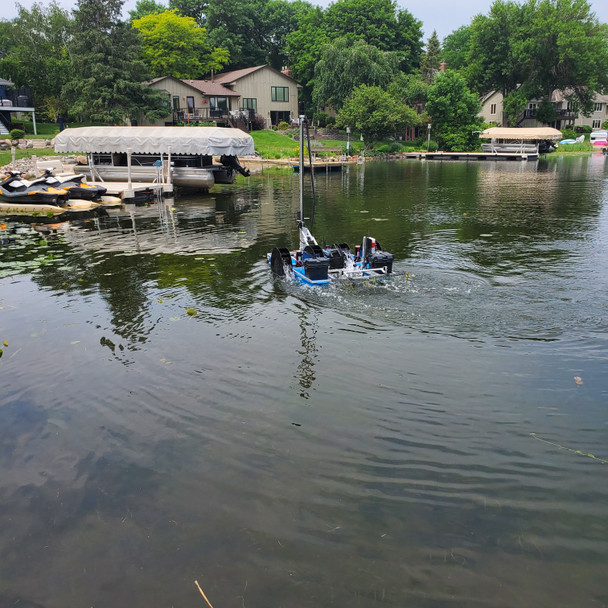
[(320, 118), (257, 122), (568, 134), (17, 133), (283, 126)]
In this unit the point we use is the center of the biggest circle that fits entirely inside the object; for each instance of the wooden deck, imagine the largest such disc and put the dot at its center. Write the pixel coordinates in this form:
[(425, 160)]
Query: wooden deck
[(502, 156), (126, 191)]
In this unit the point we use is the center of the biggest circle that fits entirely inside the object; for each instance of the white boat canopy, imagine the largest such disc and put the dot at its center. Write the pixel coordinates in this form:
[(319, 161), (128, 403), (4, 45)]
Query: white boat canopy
[(211, 141), (521, 134)]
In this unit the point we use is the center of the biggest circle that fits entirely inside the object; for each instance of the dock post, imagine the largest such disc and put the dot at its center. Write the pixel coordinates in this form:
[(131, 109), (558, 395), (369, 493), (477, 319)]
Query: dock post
[(129, 168), (169, 177)]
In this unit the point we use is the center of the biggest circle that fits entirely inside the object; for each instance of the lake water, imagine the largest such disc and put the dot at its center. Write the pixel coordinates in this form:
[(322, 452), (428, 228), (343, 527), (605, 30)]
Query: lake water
[(170, 413)]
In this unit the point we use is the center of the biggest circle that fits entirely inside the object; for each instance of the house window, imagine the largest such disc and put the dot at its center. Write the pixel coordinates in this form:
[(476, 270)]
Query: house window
[(598, 107), (190, 104), (493, 108), (219, 103), (250, 103), (176, 102), (596, 124), (532, 106), (280, 93)]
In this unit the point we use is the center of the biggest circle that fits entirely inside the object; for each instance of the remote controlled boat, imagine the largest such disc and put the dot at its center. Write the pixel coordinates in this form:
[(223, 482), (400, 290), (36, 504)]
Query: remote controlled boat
[(312, 264)]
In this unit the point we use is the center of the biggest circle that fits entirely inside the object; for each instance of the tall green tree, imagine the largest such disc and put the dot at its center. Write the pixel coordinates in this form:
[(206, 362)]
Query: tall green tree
[(237, 25), (107, 83), (453, 111), (375, 114), (567, 50), (35, 51), (304, 49), (196, 9), (176, 46), (281, 17), (455, 48), (431, 59), (344, 66), (528, 50), (146, 7), (410, 89), (379, 23)]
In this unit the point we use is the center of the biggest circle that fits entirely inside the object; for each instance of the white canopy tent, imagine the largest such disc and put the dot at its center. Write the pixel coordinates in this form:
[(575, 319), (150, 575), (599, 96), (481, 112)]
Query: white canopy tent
[(211, 141)]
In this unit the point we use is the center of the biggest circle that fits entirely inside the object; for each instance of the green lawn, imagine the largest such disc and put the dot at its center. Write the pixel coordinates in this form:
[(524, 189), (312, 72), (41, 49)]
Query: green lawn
[(271, 144), (6, 157)]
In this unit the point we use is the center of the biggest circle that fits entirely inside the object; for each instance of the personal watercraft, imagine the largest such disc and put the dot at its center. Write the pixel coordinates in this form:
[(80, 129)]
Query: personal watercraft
[(74, 184), (14, 189), (315, 265)]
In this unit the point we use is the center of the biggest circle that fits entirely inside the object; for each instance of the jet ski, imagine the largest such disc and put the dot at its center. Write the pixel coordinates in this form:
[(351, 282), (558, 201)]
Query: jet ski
[(14, 189), (74, 184)]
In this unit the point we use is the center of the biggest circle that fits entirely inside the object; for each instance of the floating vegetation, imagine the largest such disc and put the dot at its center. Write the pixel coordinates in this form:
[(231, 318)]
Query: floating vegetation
[(563, 447), (191, 311), (5, 344)]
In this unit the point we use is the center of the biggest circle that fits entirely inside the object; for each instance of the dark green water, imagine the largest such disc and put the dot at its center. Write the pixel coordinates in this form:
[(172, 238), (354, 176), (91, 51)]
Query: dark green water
[(439, 440)]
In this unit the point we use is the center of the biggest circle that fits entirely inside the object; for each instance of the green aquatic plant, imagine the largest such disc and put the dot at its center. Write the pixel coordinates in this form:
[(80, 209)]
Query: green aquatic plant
[(5, 344), (563, 447)]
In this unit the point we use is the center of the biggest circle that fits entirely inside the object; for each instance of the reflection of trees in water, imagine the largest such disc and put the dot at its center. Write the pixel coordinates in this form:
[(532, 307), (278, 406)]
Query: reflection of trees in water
[(305, 373)]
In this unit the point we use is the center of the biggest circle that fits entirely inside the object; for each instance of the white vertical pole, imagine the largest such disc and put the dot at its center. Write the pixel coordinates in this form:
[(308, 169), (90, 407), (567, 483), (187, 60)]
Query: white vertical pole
[(301, 176), (129, 167), (169, 176)]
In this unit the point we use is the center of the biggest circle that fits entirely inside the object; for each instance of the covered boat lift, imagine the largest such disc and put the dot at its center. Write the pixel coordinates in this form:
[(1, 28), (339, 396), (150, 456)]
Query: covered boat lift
[(161, 155), (522, 140)]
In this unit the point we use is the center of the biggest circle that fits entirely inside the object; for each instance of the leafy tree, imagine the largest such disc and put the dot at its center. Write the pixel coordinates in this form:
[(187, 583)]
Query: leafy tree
[(344, 66), (376, 114), (177, 46), (196, 9), (281, 17), (527, 51), (455, 48), (146, 7), (495, 53), (567, 50), (453, 110), (431, 59), (35, 50), (304, 49), (409, 88), (107, 83), (380, 24), (237, 25)]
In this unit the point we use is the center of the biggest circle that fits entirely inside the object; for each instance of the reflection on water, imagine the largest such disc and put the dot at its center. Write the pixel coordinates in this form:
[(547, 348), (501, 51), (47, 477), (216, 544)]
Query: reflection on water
[(170, 412)]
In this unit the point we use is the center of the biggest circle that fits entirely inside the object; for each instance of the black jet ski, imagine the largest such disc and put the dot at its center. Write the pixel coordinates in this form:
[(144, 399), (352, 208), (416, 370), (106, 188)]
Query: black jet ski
[(14, 189), (74, 184)]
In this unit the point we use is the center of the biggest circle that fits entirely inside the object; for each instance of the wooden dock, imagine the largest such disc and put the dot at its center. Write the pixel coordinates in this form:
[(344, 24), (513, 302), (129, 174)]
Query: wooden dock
[(321, 167), (502, 156), (126, 191)]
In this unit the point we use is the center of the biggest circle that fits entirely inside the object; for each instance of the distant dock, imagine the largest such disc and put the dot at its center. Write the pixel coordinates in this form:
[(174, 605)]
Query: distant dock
[(502, 156)]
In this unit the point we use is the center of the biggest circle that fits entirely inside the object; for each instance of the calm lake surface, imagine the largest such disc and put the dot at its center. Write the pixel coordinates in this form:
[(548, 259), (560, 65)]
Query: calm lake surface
[(170, 413)]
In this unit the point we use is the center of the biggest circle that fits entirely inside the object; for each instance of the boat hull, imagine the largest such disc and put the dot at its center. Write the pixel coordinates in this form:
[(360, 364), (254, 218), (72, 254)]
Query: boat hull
[(183, 177)]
